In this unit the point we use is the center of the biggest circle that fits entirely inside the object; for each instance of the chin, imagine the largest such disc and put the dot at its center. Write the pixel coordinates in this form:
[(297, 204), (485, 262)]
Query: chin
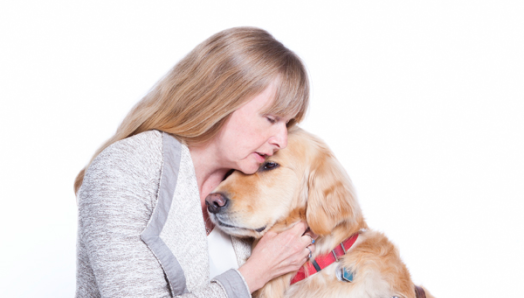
[(249, 168), (250, 171)]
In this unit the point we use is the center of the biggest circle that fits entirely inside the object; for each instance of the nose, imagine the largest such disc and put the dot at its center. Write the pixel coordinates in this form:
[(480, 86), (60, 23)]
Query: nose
[(215, 202), (280, 137)]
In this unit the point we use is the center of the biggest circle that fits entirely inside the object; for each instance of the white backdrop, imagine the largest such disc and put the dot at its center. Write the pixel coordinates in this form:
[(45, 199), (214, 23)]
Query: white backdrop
[(422, 101)]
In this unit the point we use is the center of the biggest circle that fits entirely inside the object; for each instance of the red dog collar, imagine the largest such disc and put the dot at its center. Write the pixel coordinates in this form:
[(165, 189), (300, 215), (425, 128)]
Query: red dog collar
[(325, 260)]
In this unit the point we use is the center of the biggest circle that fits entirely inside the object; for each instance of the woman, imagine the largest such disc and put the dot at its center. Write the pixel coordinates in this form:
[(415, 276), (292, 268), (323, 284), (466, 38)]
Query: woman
[(142, 215)]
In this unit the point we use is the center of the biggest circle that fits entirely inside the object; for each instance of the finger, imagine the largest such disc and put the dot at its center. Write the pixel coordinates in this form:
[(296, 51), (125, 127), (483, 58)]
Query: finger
[(307, 240), (309, 252), (300, 227), (312, 234), (312, 247), (311, 240)]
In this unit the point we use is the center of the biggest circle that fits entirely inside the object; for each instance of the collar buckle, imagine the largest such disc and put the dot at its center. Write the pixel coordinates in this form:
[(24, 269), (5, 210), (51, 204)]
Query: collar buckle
[(335, 255), (343, 248)]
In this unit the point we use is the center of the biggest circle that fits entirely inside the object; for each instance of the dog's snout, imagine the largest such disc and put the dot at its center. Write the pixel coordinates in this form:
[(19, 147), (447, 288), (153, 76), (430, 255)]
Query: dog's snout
[(215, 201)]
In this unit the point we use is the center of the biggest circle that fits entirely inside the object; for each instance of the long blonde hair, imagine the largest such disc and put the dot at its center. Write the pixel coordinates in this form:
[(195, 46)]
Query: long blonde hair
[(194, 99)]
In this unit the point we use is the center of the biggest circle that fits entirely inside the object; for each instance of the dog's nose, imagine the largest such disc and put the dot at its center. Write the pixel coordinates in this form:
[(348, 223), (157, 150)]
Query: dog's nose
[(215, 201)]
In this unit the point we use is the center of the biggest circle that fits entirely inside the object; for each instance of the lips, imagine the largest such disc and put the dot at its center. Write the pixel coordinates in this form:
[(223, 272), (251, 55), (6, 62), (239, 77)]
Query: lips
[(260, 157)]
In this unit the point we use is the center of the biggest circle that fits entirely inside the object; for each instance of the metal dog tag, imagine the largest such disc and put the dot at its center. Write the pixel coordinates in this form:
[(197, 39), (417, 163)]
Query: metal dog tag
[(344, 274)]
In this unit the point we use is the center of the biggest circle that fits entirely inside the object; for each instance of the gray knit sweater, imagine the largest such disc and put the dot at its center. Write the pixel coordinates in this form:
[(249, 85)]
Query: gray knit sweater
[(140, 226)]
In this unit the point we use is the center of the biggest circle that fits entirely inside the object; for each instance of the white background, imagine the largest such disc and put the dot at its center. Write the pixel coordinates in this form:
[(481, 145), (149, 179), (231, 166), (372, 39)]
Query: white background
[(422, 101)]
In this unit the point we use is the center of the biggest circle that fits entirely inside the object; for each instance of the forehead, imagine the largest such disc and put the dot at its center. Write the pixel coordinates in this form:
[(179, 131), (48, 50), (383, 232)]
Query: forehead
[(262, 101), (290, 101)]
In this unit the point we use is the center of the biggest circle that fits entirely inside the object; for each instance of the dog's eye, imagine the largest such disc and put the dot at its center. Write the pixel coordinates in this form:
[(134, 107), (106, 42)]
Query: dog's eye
[(269, 166)]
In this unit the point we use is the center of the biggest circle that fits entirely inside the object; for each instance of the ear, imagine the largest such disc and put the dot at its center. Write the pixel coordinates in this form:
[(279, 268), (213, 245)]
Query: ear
[(331, 197)]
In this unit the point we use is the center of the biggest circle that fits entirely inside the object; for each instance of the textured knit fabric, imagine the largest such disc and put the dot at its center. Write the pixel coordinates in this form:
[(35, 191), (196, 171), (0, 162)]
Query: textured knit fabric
[(136, 240)]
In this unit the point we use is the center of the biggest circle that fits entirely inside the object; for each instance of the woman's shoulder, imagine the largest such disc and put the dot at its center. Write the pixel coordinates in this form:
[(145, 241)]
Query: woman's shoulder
[(140, 150), (134, 162)]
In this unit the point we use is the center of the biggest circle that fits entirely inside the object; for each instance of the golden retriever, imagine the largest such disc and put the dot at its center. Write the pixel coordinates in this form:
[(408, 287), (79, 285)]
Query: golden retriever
[(306, 182)]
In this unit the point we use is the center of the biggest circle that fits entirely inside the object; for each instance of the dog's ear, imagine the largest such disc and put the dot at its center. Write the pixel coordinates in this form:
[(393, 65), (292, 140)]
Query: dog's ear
[(331, 197)]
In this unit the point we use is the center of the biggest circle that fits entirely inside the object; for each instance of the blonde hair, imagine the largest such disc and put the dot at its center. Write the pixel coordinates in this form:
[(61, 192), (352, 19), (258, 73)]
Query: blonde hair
[(193, 100)]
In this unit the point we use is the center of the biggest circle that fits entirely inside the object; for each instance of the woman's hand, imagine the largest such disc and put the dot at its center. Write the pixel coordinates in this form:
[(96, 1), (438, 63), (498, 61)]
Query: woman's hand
[(278, 254)]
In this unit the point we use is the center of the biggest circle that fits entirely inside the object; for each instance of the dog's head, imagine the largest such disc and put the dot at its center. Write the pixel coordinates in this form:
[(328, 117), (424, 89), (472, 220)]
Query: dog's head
[(302, 182)]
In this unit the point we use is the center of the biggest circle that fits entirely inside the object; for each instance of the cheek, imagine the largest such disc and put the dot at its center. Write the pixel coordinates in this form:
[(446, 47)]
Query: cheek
[(246, 144), (253, 132), (277, 195), (246, 134), (234, 144), (260, 200)]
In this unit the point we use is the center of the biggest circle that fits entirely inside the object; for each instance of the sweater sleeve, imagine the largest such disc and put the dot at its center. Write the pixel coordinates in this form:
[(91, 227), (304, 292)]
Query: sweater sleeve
[(115, 203)]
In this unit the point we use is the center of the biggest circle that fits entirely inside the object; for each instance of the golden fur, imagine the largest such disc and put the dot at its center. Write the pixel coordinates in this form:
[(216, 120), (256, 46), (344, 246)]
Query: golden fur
[(310, 184)]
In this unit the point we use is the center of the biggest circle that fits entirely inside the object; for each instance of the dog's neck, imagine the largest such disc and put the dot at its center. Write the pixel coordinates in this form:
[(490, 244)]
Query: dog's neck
[(324, 243)]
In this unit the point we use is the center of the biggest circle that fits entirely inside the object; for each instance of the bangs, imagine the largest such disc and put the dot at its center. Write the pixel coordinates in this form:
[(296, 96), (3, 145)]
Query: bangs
[(292, 94)]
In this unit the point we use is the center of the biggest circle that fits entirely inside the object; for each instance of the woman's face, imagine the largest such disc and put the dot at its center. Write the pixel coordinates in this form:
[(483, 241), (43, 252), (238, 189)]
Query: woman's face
[(249, 135)]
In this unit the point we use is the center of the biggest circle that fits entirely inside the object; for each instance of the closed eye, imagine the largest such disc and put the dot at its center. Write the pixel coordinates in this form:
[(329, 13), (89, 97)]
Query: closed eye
[(268, 166), (271, 120)]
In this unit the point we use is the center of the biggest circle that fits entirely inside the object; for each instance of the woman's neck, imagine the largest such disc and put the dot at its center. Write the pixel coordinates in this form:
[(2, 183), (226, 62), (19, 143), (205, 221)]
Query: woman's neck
[(208, 170)]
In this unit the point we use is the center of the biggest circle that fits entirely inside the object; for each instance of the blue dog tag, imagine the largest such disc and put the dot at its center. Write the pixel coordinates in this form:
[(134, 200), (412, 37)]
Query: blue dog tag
[(345, 275)]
